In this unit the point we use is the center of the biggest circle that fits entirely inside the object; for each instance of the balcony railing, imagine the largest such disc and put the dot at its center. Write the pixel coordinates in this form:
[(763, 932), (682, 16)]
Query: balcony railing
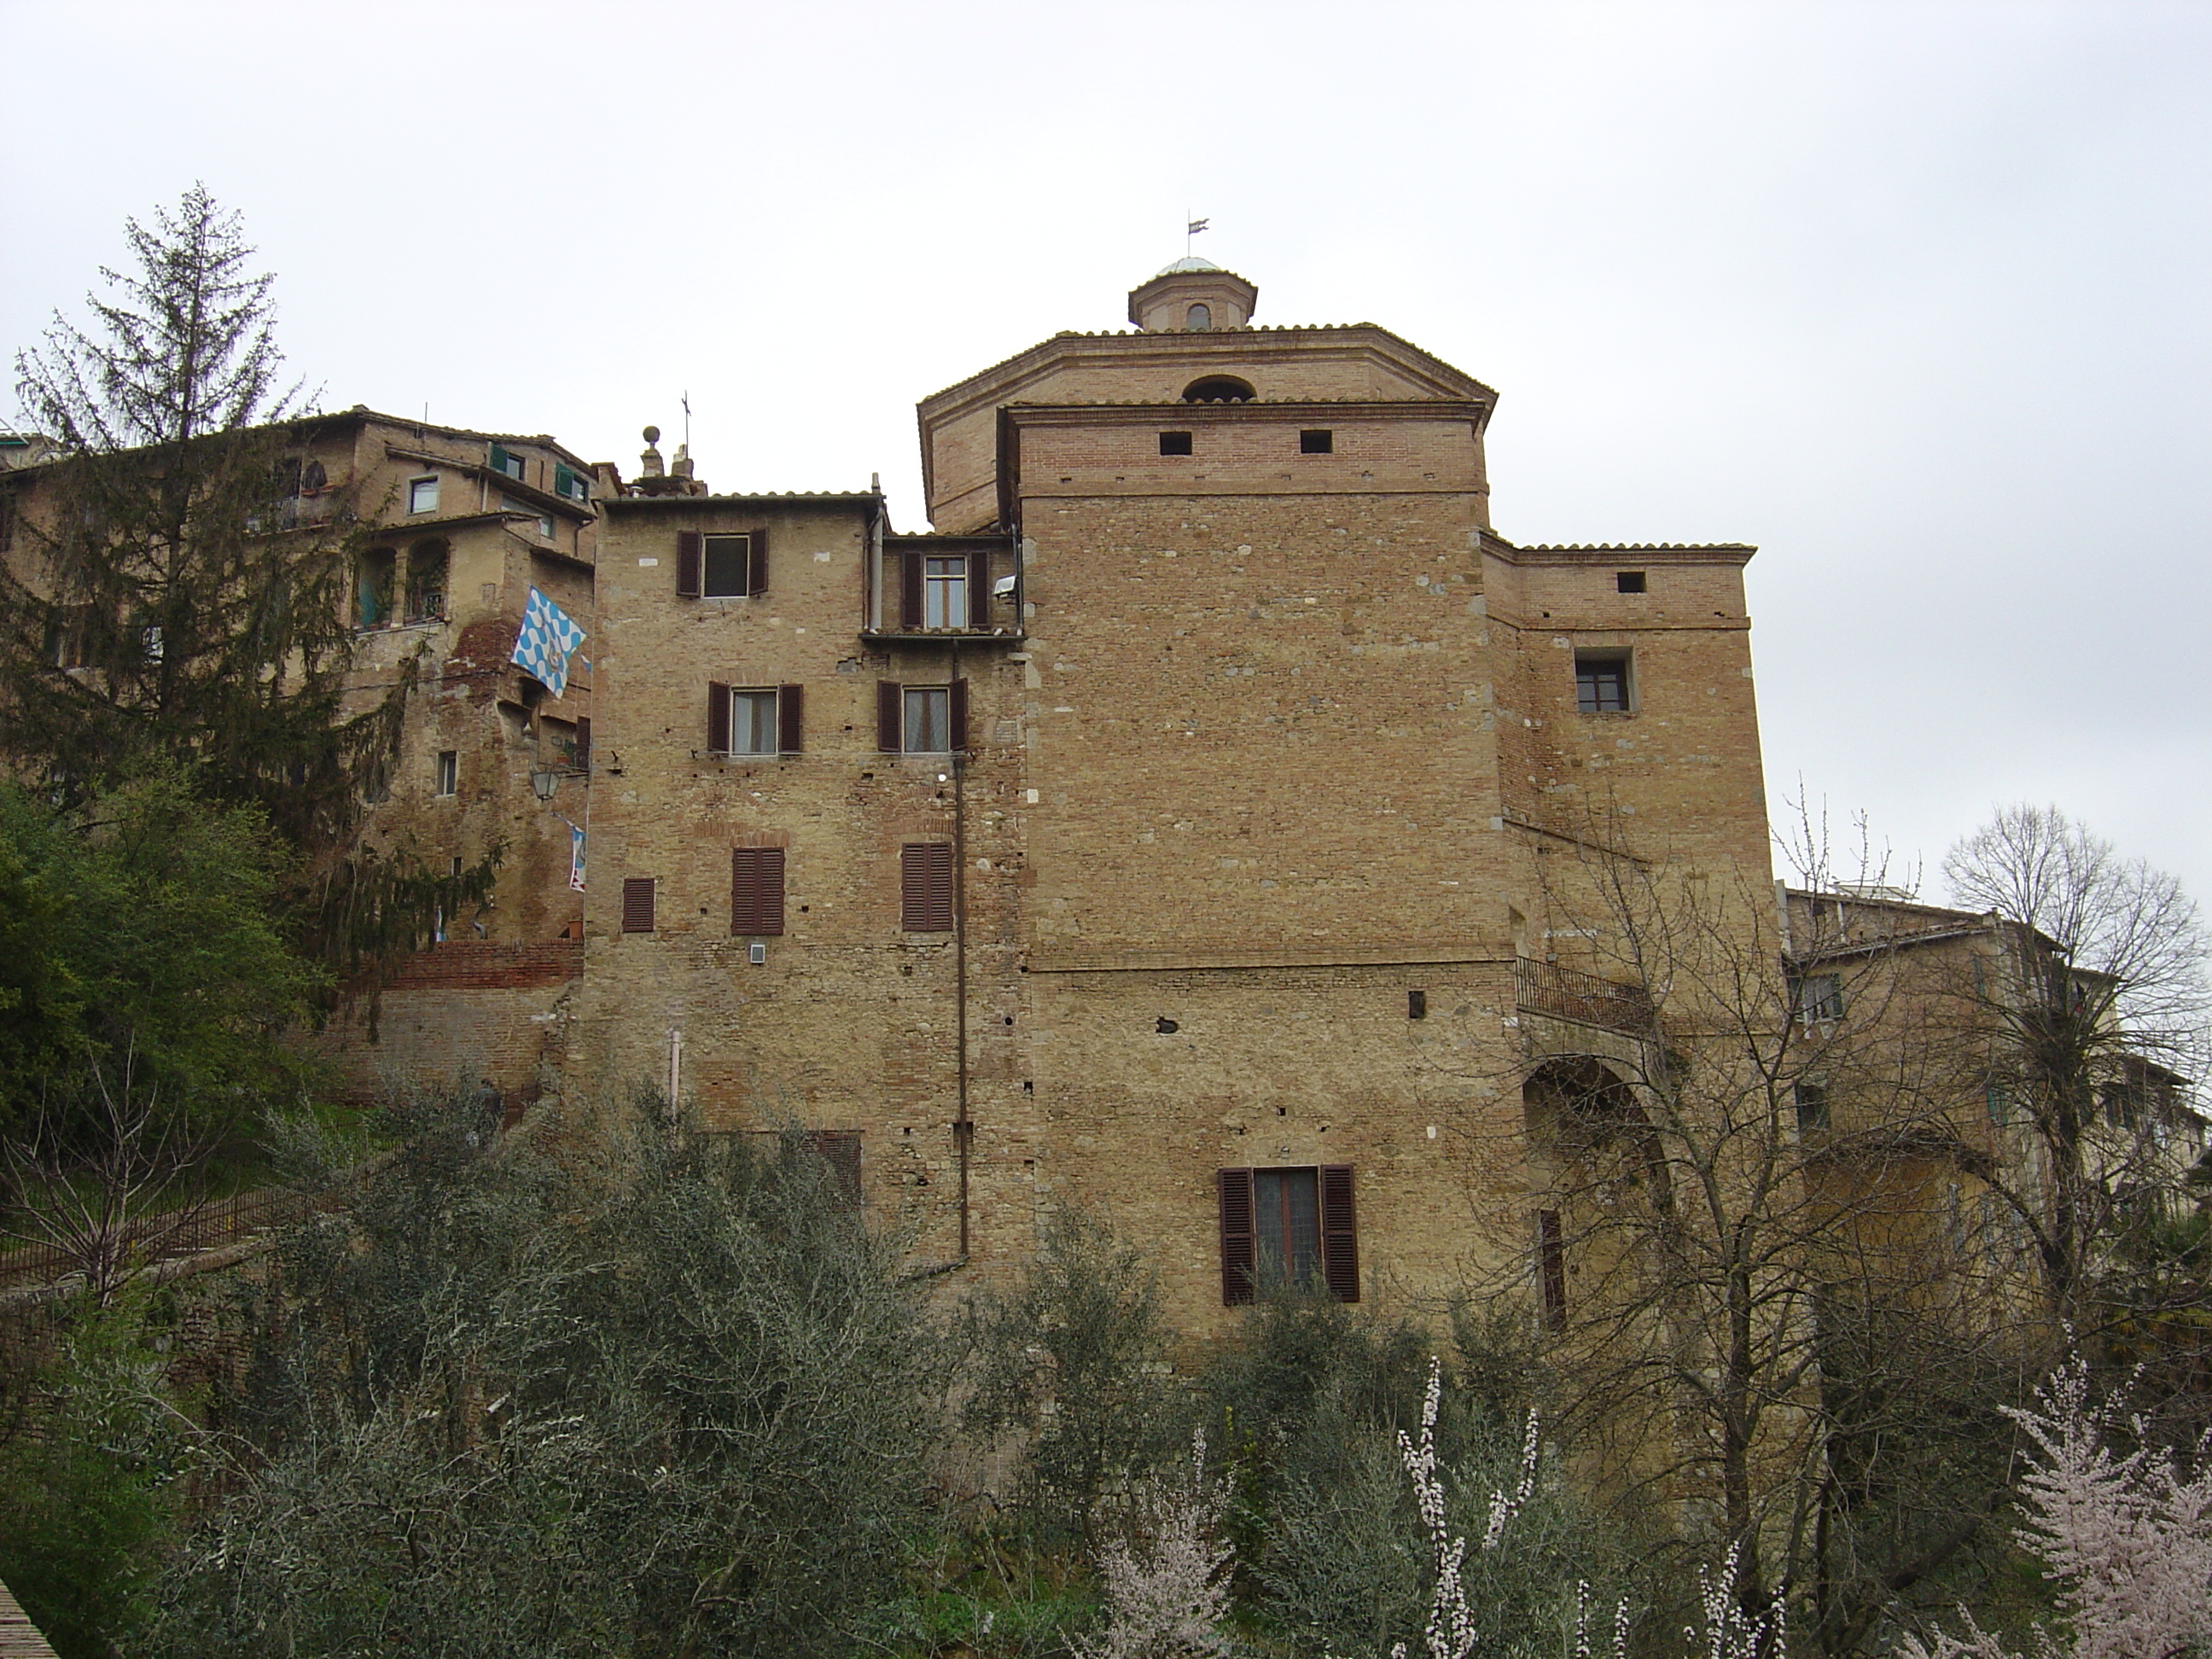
[(1543, 987)]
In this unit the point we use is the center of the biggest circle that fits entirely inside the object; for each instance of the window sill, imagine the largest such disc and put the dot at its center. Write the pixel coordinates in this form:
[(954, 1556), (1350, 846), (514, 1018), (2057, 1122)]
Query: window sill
[(1008, 635)]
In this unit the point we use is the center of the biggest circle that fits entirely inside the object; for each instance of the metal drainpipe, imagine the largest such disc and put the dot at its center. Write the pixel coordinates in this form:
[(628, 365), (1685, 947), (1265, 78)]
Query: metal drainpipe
[(964, 1132)]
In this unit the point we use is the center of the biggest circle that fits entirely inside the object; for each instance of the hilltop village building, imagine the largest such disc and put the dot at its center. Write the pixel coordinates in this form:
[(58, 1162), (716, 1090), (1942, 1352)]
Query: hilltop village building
[(1169, 832), (1175, 831)]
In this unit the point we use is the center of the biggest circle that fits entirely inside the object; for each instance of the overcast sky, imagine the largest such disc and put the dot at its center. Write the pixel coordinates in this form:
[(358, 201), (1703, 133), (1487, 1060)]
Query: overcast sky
[(1912, 296)]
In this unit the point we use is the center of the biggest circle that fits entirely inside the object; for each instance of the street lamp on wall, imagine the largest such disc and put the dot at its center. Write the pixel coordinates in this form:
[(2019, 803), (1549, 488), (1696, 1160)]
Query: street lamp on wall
[(543, 781)]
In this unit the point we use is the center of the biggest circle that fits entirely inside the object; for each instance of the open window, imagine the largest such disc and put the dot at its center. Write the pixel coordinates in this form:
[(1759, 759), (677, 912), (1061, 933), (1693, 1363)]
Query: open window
[(374, 588), (934, 591), (428, 565), (1288, 1229), (1818, 998), (921, 719), (722, 565), (747, 719)]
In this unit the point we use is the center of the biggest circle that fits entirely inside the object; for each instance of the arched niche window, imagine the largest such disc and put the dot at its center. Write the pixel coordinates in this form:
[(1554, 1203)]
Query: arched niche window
[(427, 569), (1198, 319), (1217, 389), (1598, 1171), (373, 587)]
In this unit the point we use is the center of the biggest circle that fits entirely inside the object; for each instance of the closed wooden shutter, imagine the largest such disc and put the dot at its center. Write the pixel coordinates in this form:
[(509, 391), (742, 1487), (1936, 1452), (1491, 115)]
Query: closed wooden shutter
[(584, 744), (756, 891), (756, 563), (1551, 1268), (790, 718), (909, 590), (687, 564), (890, 716), (925, 887), (1239, 1250), (637, 904), (1339, 1233), (718, 718), (956, 703)]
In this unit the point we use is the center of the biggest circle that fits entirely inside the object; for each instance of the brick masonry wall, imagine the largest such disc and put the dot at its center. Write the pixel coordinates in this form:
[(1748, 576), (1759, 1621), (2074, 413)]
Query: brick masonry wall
[(1289, 738)]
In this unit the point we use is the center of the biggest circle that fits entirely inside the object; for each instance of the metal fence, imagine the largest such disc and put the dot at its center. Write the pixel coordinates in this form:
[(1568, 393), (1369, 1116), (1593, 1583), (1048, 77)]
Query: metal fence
[(1544, 988), (164, 1236)]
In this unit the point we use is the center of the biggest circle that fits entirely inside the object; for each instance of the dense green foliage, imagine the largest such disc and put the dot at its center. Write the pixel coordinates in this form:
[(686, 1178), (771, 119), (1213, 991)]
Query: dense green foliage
[(139, 939), (89, 1487), (503, 1406), (179, 592)]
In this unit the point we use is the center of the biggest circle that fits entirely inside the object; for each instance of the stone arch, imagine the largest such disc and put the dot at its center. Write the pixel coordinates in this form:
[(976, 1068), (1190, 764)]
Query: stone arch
[(430, 567)]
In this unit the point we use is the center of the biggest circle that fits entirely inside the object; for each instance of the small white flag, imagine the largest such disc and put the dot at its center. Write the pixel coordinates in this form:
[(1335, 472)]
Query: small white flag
[(1197, 225)]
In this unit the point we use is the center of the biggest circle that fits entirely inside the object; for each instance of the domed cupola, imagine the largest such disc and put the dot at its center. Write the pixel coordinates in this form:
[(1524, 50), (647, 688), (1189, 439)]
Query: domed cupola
[(1192, 296)]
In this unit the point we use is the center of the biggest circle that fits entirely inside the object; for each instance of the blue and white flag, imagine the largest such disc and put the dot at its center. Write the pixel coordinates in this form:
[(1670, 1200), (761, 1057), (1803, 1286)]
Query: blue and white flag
[(542, 649), (575, 858)]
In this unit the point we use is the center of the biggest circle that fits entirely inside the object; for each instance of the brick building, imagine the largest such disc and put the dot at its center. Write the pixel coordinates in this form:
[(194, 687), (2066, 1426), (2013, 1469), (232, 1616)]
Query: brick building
[(452, 529), (1175, 832)]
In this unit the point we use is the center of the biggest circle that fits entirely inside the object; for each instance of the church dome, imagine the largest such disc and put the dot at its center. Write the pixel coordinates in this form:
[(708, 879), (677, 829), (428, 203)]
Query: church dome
[(1188, 262)]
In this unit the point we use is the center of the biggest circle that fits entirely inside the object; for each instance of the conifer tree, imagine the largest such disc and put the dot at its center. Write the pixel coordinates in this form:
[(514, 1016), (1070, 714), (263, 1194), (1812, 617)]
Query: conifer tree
[(177, 592)]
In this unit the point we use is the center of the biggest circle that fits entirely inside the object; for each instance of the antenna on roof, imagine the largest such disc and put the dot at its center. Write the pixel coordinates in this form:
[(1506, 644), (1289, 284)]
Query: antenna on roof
[(687, 420)]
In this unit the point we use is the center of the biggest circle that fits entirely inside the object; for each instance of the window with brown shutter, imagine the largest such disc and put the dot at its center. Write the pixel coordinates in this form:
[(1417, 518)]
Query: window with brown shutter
[(910, 589), (1237, 1285), (687, 564), (921, 719), (1551, 1268), (637, 904), (1291, 1229), (756, 891), (756, 564), (1339, 1233), (890, 716), (925, 887), (718, 718), (790, 723)]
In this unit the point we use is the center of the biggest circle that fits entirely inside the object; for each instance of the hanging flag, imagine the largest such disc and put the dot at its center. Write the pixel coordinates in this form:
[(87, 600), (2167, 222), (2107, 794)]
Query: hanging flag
[(575, 858), (1197, 225), (542, 647)]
